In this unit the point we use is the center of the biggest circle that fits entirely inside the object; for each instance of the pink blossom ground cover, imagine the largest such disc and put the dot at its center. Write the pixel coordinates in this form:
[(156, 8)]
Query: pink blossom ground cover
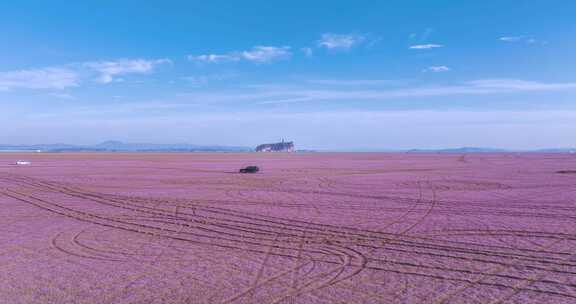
[(309, 228)]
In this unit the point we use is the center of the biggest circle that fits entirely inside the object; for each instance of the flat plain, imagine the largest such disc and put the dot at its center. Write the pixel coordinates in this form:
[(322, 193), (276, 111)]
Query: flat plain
[(308, 228)]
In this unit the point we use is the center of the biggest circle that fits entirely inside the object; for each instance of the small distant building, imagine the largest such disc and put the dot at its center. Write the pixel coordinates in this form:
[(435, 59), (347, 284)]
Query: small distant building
[(283, 146)]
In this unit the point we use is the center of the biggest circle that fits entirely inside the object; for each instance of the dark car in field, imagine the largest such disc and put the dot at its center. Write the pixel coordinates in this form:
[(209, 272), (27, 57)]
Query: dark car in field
[(250, 169)]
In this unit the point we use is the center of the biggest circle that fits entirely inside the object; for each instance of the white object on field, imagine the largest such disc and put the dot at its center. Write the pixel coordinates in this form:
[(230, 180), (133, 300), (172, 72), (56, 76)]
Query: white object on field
[(23, 163)]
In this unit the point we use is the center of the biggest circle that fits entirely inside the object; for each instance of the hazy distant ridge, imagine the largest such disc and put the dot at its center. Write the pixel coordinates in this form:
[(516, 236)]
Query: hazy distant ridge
[(117, 146)]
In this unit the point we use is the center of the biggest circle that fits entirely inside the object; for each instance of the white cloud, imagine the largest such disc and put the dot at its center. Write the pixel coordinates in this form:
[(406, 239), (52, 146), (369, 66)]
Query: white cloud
[(213, 58), (71, 75), (437, 69), (340, 41), (510, 38), (258, 54), (520, 39), (425, 46), (108, 70), (44, 78), (265, 54)]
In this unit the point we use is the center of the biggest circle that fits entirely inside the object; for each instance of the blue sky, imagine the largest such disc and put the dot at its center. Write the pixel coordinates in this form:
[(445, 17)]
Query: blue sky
[(332, 75)]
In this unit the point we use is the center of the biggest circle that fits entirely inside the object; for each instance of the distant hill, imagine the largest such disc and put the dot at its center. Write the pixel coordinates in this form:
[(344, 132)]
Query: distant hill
[(117, 146), (557, 150)]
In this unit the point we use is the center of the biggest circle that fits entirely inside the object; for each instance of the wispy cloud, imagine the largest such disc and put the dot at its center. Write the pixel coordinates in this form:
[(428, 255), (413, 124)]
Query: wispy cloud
[(213, 58), (425, 46), (266, 54), (203, 80), (62, 96), (356, 82), (44, 78), (109, 70), (521, 85), (258, 54), (308, 52), (521, 39), (333, 90), (422, 36), (510, 38), (437, 69), (340, 41), (72, 75)]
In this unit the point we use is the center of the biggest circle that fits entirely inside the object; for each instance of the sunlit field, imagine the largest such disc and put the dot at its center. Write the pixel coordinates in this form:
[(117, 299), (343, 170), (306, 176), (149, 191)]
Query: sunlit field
[(308, 228)]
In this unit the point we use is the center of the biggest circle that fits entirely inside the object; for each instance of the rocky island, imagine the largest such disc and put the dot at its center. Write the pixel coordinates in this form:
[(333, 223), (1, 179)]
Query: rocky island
[(283, 146)]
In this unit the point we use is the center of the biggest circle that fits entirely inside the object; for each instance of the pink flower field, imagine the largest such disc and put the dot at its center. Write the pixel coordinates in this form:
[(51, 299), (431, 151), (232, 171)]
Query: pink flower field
[(308, 228)]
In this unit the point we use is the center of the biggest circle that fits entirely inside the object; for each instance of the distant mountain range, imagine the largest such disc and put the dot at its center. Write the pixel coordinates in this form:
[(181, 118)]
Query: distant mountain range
[(117, 146)]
